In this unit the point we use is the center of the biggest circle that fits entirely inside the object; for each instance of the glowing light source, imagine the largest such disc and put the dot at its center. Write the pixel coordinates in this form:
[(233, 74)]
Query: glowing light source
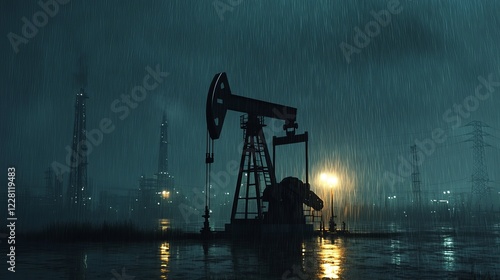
[(329, 179), (165, 194)]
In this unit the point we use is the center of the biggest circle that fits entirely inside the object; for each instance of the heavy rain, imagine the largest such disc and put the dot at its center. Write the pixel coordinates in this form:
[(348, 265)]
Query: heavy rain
[(233, 139)]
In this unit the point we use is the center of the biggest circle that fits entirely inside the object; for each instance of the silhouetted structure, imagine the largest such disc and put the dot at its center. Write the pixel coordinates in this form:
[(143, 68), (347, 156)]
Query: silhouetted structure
[(117, 205), (148, 199), (415, 179), (156, 195), (164, 180), (53, 190), (256, 182), (58, 191), (480, 193), (78, 196)]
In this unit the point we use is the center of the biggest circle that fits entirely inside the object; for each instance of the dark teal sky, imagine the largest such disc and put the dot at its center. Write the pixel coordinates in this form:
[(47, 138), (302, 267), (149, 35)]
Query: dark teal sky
[(361, 115)]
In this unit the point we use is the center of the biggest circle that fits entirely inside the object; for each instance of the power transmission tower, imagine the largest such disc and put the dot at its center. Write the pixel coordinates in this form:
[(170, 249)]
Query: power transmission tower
[(415, 179), (480, 193)]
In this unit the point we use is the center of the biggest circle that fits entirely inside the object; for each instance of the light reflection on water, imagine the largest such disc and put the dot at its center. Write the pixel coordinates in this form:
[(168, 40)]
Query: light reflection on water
[(164, 255), (449, 253), (414, 257), (395, 249), (331, 255)]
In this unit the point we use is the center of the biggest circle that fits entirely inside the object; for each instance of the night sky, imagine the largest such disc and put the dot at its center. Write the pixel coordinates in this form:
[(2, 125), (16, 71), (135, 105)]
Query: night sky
[(362, 111)]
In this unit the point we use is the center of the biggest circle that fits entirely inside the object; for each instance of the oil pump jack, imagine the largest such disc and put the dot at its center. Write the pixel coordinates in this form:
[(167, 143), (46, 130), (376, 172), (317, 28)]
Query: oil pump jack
[(256, 183)]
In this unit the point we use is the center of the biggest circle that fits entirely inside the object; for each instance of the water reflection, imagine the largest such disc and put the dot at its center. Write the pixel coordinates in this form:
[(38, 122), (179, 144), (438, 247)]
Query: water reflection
[(423, 257), (449, 253), (272, 258), (164, 260), (331, 255), (395, 251)]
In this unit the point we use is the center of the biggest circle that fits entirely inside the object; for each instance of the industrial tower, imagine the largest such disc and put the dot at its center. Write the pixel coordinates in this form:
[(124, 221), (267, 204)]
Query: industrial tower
[(78, 195), (164, 180), (480, 193), (415, 179)]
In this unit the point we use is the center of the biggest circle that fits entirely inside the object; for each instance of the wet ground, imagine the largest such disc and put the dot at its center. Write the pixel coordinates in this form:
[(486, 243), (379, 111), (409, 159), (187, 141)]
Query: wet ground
[(439, 254)]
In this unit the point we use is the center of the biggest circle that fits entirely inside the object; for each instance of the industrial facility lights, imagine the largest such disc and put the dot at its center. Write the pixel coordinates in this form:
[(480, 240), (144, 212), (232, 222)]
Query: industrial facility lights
[(165, 194)]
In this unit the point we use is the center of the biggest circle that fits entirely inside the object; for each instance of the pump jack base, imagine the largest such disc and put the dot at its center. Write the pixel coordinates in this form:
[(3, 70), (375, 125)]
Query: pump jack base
[(258, 230)]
